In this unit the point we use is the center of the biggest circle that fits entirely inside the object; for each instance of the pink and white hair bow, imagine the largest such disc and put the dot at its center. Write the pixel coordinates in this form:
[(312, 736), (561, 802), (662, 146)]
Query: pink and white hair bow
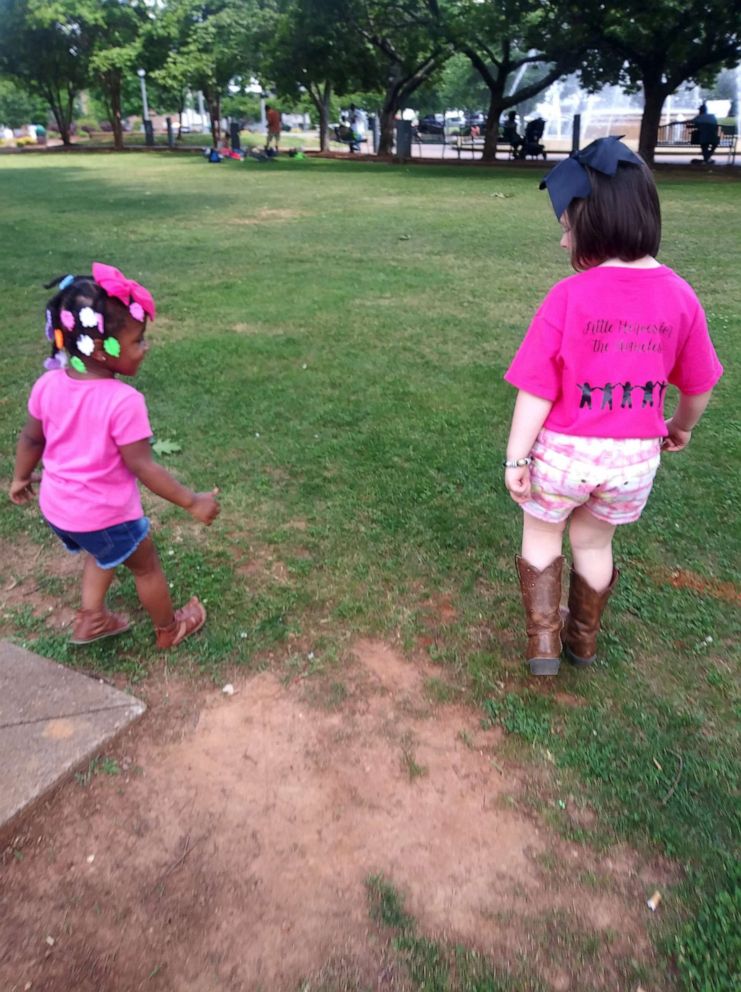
[(133, 295)]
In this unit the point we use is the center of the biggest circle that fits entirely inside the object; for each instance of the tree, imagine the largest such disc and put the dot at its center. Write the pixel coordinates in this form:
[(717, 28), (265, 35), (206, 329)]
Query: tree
[(116, 31), (43, 48), (456, 85), (166, 37), (409, 46), (660, 45), (18, 106), (310, 52), (220, 43), (508, 39)]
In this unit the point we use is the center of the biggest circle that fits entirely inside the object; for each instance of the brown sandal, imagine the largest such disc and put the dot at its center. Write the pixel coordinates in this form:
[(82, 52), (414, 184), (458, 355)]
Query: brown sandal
[(188, 619), (93, 625)]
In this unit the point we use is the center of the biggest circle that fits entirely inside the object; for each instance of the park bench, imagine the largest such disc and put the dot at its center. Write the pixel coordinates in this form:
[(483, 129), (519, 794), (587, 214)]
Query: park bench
[(681, 135), (475, 143), (423, 138)]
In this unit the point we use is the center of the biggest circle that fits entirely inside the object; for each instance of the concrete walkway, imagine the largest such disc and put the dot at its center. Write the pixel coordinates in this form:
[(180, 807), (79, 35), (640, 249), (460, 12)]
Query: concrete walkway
[(52, 721)]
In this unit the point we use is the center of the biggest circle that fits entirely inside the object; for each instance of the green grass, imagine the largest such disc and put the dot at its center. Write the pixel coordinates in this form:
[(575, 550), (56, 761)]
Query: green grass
[(329, 351), (430, 965)]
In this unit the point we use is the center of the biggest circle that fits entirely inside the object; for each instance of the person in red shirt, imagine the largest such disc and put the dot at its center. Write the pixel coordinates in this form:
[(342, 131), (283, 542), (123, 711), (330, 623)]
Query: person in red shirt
[(574, 454), (274, 126)]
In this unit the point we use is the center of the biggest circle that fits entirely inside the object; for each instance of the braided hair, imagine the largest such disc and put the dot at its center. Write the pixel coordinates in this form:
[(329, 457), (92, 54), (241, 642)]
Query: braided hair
[(80, 313)]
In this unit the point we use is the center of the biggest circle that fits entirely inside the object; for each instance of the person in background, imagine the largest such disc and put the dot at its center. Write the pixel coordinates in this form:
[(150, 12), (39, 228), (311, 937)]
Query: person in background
[(274, 126), (359, 125), (511, 134), (705, 132)]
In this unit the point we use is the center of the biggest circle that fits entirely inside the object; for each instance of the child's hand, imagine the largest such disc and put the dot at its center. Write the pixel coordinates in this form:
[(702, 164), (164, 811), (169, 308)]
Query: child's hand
[(205, 507), (21, 490), (676, 439), (517, 481)]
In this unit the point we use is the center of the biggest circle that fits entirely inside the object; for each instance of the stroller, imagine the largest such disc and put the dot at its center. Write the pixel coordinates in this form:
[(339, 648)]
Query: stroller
[(531, 144)]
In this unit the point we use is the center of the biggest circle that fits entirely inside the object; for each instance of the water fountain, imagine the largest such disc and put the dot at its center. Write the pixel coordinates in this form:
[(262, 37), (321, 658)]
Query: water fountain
[(608, 111)]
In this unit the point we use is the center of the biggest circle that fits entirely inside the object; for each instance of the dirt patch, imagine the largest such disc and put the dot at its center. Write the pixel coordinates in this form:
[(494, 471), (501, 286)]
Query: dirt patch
[(267, 215), (36, 579), (680, 578), (439, 610), (262, 565), (229, 849)]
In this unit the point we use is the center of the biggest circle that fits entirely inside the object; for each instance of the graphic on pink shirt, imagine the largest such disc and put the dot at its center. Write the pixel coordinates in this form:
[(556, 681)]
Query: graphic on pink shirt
[(605, 345), (86, 485), (627, 402)]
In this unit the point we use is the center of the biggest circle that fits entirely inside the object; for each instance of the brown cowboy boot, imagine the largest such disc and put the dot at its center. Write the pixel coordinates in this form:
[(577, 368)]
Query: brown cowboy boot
[(92, 625), (582, 620), (541, 596)]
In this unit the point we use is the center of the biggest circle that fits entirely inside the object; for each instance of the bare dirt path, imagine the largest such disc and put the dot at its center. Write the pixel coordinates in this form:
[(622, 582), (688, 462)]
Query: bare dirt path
[(231, 849)]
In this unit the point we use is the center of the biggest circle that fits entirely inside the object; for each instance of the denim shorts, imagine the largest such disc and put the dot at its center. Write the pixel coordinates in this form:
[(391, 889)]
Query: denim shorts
[(110, 546)]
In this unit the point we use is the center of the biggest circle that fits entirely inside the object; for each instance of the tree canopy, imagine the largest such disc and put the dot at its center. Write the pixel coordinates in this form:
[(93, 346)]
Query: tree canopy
[(312, 49)]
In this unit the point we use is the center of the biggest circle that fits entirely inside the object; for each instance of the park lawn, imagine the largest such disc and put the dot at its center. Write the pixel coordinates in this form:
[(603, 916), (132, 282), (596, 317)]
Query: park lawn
[(329, 351)]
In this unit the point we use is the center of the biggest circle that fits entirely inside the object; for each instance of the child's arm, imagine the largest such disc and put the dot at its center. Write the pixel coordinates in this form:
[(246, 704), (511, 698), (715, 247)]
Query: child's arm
[(684, 419), (529, 416), (28, 453), (138, 458)]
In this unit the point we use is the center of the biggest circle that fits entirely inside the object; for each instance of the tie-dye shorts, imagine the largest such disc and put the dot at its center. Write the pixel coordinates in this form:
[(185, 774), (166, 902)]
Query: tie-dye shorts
[(612, 477)]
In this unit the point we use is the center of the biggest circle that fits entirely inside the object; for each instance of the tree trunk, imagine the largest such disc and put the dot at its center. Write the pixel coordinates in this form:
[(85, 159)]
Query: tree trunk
[(387, 121), (115, 115), (63, 125), (320, 98), (63, 120), (491, 130), (324, 117), (388, 113), (654, 95), (399, 91), (213, 102)]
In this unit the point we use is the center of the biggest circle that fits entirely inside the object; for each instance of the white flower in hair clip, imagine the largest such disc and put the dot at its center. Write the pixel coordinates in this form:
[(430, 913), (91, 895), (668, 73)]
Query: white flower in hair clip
[(88, 317), (85, 344)]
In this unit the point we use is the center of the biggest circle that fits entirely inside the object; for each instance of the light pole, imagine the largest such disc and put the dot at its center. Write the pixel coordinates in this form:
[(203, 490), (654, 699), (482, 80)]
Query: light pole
[(141, 73)]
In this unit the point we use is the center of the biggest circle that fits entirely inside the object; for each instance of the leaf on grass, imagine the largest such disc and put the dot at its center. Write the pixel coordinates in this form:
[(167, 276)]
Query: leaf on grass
[(166, 447)]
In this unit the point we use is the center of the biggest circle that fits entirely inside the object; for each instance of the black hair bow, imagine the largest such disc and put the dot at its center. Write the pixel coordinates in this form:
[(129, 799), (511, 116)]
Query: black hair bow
[(569, 179)]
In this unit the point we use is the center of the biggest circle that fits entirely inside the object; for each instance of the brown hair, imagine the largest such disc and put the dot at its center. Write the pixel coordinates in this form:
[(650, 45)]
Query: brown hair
[(621, 218)]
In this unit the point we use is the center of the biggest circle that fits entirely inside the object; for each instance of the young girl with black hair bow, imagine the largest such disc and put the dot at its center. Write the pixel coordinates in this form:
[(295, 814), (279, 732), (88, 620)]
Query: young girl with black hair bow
[(92, 432), (592, 371)]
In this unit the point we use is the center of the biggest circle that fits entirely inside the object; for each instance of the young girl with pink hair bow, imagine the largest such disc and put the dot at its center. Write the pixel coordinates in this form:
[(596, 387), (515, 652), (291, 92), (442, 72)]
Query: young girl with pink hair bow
[(92, 432)]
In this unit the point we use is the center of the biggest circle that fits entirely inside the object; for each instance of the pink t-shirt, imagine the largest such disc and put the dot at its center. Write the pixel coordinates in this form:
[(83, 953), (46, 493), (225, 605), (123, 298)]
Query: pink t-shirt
[(605, 344), (86, 485)]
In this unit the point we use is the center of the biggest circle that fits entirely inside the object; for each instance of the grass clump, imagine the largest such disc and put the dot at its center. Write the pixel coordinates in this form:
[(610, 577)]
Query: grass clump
[(431, 965)]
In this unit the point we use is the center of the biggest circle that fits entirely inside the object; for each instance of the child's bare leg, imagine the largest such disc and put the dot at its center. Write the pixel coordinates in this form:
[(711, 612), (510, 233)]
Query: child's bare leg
[(151, 584), (591, 547), (94, 621), (96, 582), (541, 541)]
